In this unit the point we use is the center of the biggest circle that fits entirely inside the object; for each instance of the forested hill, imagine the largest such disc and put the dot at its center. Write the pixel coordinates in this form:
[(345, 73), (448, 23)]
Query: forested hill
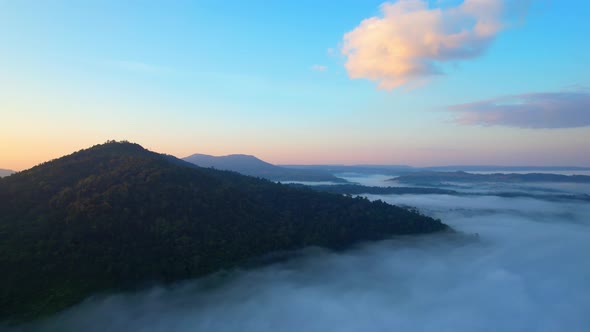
[(116, 216)]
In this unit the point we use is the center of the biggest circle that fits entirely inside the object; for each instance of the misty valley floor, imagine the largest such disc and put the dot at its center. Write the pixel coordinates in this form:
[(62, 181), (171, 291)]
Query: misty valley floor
[(522, 267)]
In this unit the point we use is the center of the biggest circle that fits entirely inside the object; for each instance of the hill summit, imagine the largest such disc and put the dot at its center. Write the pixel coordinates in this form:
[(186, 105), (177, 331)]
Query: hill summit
[(117, 216)]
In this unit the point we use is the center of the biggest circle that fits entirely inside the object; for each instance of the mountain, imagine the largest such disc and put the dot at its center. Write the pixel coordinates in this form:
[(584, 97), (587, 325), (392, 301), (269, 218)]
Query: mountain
[(5, 172), (358, 169), (435, 178), (250, 165), (240, 163), (117, 217)]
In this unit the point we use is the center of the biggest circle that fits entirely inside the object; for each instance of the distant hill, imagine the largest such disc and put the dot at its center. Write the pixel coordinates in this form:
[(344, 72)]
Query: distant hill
[(492, 168), (433, 178), (250, 165), (5, 172), (505, 169), (359, 169), (403, 169), (354, 189), (117, 217)]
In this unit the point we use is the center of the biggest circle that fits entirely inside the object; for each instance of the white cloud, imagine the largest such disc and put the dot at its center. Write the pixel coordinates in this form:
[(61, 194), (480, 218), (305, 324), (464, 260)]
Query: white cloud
[(410, 40)]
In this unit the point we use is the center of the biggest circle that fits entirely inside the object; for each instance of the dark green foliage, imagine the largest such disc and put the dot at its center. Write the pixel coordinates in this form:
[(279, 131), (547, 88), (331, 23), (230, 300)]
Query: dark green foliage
[(117, 216)]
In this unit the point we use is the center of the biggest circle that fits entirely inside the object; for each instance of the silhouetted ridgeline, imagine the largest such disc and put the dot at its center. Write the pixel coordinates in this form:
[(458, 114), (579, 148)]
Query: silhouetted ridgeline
[(116, 216), (429, 178), (505, 169)]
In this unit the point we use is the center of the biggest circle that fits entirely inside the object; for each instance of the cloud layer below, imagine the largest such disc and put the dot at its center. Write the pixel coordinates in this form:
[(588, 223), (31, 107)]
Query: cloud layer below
[(409, 41), (533, 110)]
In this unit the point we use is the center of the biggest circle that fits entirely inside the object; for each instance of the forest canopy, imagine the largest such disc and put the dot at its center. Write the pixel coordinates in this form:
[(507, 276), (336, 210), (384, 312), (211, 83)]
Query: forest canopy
[(117, 217)]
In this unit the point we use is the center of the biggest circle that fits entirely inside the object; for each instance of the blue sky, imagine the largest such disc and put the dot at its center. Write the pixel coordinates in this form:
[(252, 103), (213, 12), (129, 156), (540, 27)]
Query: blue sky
[(183, 77)]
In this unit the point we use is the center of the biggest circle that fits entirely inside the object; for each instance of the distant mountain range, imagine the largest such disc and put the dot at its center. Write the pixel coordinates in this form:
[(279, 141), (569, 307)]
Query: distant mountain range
[(435, 178), (117, 217), (250, 165), (360, 169), (404, 169), (5, 172), (492, 168)]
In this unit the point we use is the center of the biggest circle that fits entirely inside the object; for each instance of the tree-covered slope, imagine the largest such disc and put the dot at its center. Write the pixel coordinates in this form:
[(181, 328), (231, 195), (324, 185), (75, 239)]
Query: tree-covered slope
[(117, 216)]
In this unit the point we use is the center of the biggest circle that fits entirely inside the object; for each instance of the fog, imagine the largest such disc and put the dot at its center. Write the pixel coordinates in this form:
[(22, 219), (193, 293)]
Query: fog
[(516, 264), (371, 180), (496, 187), (310, 183), (562, 172)]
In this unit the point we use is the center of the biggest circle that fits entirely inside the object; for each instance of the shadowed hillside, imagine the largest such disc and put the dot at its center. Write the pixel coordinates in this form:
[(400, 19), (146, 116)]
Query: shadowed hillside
[(116, 217)]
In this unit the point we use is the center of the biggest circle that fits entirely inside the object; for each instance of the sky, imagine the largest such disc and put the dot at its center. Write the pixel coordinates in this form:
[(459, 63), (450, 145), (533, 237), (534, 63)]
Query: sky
[(412, 82)]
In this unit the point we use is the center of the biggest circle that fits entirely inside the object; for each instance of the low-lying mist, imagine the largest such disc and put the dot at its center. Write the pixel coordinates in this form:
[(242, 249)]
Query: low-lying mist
[(516, 264)]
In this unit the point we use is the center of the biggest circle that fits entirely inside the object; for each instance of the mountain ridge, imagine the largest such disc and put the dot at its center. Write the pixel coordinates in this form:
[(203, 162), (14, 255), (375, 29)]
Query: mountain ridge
[(115, 216)]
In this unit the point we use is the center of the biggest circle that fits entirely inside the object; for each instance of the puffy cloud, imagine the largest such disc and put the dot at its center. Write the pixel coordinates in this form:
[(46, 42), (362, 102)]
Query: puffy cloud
[(533, 110), (410, 40)]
